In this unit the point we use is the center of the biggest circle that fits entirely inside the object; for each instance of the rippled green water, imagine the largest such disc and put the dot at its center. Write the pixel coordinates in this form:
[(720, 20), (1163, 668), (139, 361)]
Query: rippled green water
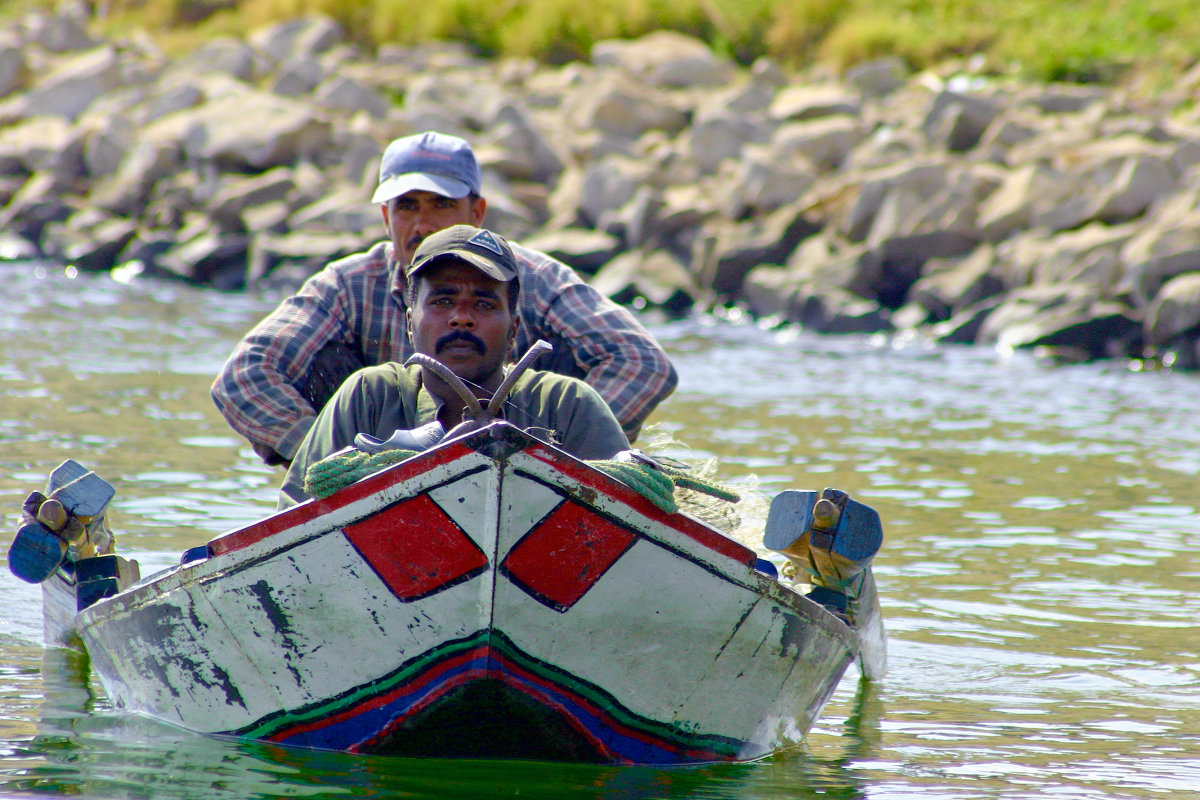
[(1039, 576)]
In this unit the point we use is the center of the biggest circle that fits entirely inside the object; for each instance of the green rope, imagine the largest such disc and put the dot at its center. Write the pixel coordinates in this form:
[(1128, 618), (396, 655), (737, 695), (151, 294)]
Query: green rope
[(342, 469), (657, 485)]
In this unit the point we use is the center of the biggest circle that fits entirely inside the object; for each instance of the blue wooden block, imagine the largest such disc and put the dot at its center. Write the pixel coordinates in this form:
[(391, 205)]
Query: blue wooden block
[(35, 553), (789, 518), (82, 492)]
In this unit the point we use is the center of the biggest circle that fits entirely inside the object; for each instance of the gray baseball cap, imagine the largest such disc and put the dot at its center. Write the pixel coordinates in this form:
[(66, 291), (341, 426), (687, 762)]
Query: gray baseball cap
[(486, 251), (431, 161)]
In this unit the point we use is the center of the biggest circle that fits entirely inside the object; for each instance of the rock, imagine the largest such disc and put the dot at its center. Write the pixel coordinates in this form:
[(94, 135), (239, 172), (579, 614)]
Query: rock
[(41, 144), (610, 183), (60, 32), (105, 147), (831, 309), (269, 217), (246, 131), (616, 106), (342, 209), (14, 68), (297, 39), (949, 285), (469, 103), (718, 138), (237, 194), (300, 254), (922, 179), (879, 77), (297, 78), (16, 248), (75, 84), (825, 142), (583, 249), (899, 262), (803, 102), (90, 239), (1059, 315), (1052, 216), (1089, 256), (346, 94), (726, 252), (1011, 207), (664, 58), (1157, 253), (209, 258), (765, 181), (656, 279), (144, 165), (170, 98), (1115, 189), (1175, 310), (225, 55), (956, 121), (517, 147), (767, 291), (964, 326), (36, 204)]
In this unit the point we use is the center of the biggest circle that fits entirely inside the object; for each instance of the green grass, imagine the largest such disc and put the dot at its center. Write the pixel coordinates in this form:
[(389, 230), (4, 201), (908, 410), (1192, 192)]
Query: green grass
[(1085, 40)]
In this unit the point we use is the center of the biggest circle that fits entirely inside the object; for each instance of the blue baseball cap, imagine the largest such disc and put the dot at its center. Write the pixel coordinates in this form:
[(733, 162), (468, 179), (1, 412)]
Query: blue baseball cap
[(431, 161)]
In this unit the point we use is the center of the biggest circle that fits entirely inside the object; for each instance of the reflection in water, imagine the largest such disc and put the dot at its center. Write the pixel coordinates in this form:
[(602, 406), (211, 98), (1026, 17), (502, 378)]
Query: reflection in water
[(99, 754), (1041, 552)]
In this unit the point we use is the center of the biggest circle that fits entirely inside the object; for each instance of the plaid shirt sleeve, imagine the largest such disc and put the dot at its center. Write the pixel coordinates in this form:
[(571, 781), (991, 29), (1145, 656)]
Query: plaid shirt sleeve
[(615, 354), (256, 388)]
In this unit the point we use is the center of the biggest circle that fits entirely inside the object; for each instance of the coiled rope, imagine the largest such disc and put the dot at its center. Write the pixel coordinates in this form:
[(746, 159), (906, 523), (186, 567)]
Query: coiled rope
[(346, 467), (656, 484)]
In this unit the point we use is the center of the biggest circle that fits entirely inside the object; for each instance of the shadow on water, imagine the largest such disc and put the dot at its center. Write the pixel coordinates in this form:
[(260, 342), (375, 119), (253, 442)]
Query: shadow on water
[(82, 748)]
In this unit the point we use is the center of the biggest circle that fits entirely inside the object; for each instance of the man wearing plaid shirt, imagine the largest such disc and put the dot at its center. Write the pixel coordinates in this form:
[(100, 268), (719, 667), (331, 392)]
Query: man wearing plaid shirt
[(352, 313)]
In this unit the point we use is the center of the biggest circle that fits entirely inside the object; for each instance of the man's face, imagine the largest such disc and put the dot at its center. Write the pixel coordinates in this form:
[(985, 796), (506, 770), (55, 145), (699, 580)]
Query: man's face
[(412, 216), (462, 318)]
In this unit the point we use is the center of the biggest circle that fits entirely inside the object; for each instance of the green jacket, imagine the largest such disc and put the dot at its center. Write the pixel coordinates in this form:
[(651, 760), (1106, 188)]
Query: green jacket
[(380, 400)]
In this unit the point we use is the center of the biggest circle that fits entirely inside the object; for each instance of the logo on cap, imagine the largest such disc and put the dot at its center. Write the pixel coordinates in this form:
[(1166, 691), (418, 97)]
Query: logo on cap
[(485, 240)]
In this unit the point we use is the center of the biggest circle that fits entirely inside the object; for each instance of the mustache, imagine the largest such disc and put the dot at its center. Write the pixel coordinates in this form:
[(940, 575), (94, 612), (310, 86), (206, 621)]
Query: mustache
[(459, 336)]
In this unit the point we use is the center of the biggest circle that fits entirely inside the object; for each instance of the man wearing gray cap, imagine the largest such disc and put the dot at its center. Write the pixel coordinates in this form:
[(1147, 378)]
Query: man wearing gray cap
[(352, 313), (462, 285)]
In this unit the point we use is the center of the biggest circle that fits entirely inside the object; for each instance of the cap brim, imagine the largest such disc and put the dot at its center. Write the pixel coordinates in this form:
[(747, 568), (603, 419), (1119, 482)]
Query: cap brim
[(423, 181), (480, 263)]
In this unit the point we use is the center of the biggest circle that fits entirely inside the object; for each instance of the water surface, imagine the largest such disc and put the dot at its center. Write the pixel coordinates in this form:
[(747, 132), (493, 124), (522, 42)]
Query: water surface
[(1038, 576)]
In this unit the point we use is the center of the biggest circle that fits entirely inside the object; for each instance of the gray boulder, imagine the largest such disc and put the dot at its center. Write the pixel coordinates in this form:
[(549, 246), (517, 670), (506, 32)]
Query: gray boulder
[(1175, 311), (583, 249), (655, 279), (75, 84), (664, 58)]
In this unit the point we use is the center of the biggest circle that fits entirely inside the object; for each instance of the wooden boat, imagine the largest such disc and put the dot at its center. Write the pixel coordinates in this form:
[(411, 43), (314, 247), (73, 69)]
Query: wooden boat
[(490, 597)]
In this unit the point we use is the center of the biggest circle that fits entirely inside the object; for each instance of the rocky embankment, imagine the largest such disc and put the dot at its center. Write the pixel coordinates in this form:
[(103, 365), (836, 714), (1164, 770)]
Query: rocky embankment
[(972, 211)]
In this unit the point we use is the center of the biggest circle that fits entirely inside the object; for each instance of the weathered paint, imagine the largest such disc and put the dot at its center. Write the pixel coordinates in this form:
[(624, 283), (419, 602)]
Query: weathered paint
[(549, 587)]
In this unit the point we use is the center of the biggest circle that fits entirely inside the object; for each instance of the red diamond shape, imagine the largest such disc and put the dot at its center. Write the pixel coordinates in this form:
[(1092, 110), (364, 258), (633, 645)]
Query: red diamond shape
[(416, 549), (564, 555)]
